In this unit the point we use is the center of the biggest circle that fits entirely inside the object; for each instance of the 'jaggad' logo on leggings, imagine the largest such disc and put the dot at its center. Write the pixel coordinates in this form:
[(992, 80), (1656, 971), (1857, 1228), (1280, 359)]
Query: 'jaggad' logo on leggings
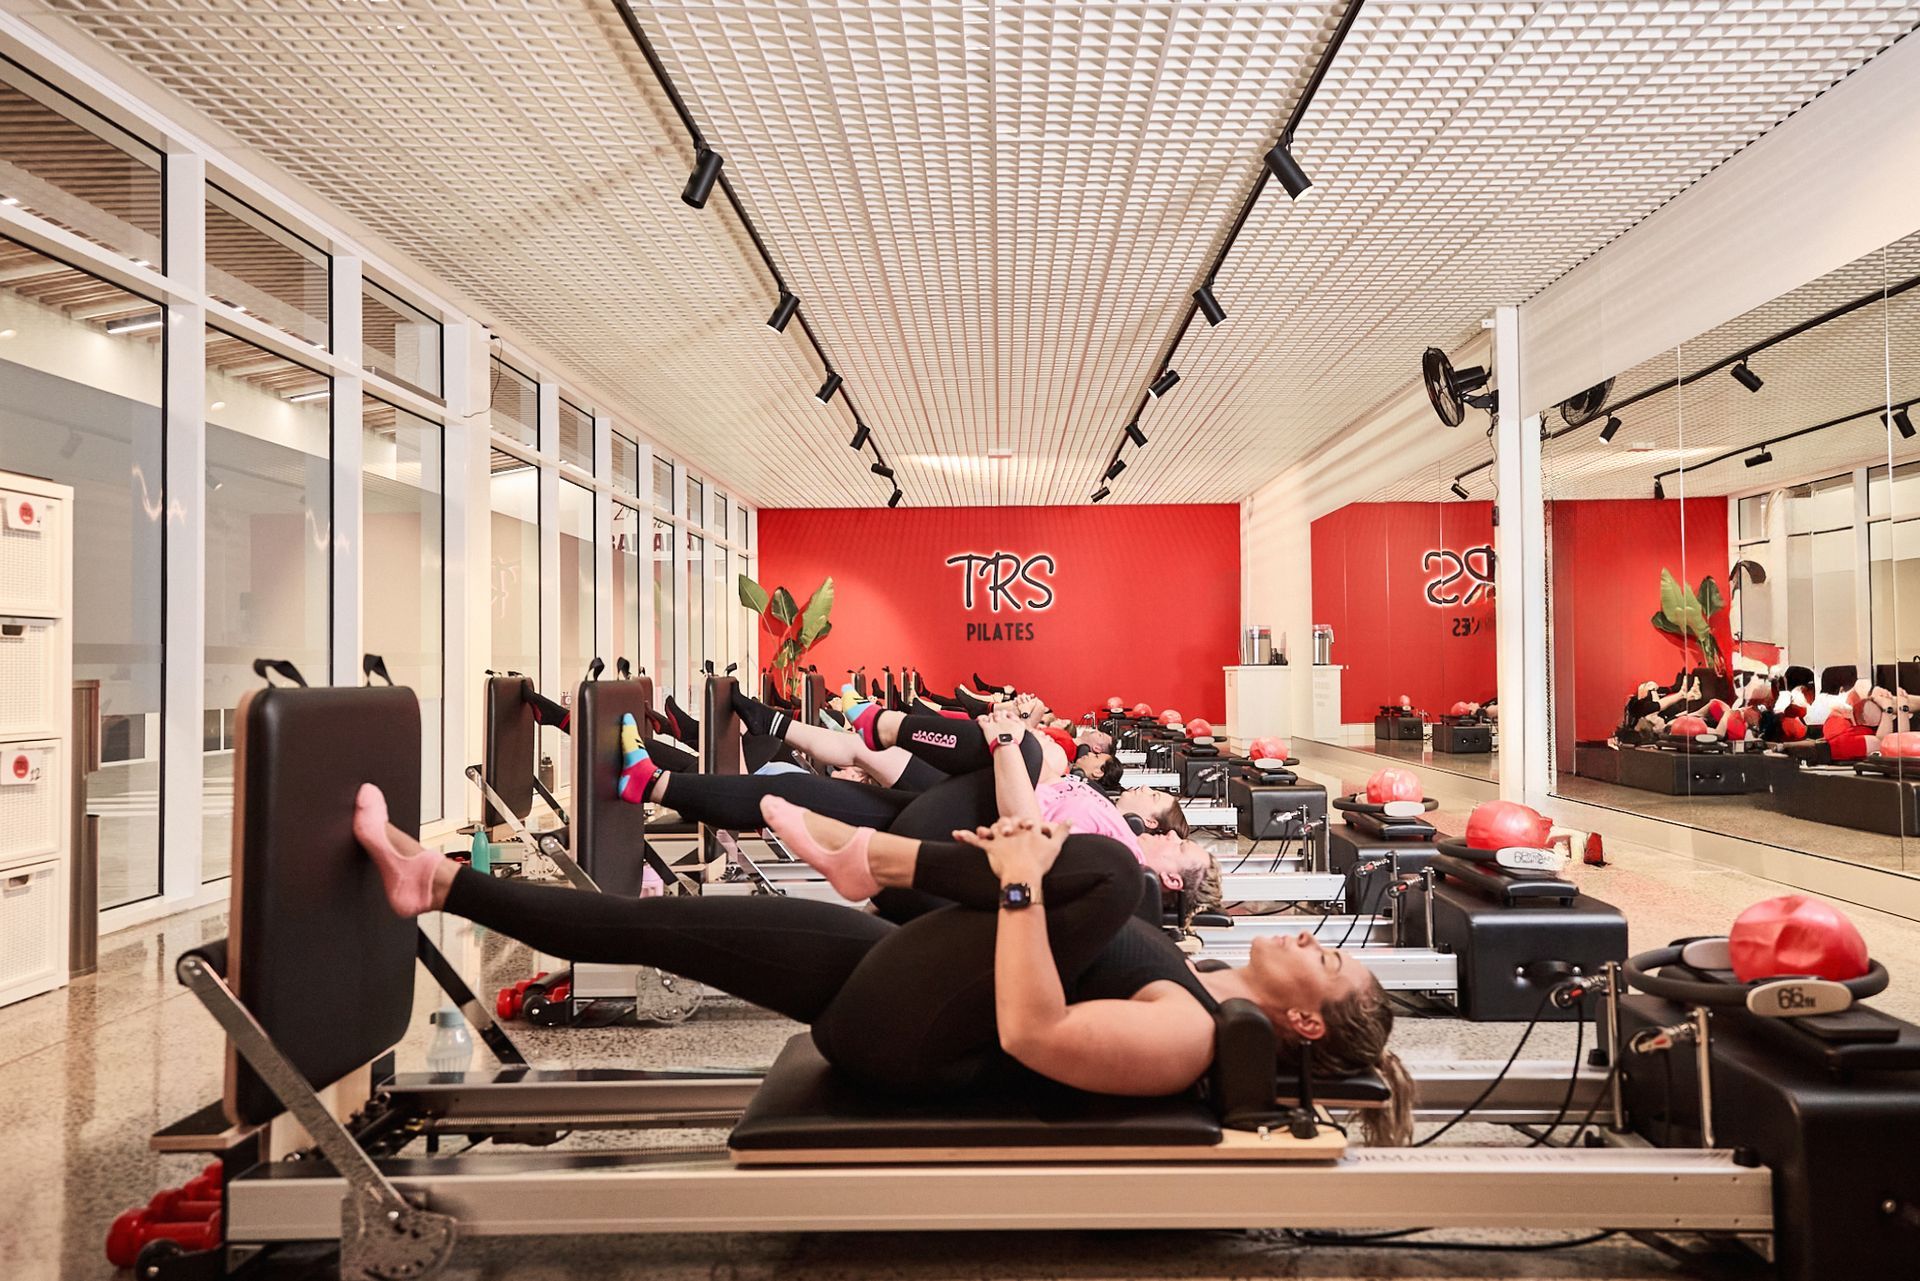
[(930, 738), (1019, 584)]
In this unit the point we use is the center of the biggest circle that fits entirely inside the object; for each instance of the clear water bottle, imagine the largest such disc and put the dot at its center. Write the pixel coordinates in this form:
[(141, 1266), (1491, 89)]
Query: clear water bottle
[(451, 1049)]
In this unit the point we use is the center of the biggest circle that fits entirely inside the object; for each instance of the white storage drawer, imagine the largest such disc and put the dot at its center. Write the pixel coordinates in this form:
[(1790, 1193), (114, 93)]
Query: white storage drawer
[(30, 560), (27, 685), (30, 815), (31, 949)]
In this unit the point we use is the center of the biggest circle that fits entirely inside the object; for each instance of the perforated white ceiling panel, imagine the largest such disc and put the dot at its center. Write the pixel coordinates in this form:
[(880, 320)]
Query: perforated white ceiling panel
[(994, 211)]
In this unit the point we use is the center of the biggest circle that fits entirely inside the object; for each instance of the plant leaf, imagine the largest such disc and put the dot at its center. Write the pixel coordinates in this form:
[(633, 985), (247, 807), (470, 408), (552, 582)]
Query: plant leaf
[(1711, 602), (789, 651), (782, 606), (1665, 624), (752, 594), (813, 619), (820, 635)]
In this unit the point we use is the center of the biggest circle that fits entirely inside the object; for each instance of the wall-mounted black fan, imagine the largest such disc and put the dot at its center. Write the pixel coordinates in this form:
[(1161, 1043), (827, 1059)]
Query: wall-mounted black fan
[(1584, 407), (1452, 390)]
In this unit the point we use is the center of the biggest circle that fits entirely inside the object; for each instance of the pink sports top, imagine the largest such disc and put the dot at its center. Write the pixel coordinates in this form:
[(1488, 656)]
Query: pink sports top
[(1076, 801)]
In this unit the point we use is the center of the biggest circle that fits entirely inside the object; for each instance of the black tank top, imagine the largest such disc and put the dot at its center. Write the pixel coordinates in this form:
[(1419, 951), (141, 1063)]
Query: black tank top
[(1138, 955)]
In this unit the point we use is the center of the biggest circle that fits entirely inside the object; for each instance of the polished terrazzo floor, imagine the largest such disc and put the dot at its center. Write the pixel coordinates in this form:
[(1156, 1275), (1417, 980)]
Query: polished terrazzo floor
[(88, 1072)]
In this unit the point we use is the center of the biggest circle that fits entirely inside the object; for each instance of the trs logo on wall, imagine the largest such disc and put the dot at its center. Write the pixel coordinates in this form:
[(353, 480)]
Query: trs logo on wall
[(1016, 583), (1463, 578)]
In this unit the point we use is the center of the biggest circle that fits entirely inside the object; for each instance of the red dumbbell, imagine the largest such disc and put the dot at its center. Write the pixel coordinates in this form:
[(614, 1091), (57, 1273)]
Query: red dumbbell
[(176, 1205), (134, 1229), (507, 1004), (204, 1186)]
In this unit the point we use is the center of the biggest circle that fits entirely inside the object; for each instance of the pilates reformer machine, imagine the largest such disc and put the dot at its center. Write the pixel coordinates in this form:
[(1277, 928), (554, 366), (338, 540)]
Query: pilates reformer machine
[(1781, 1113)]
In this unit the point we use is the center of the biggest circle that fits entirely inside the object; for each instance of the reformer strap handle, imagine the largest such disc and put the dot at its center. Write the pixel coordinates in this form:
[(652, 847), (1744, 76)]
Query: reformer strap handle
[(623, 669), (372, 665), (594, 668), (285, 669)]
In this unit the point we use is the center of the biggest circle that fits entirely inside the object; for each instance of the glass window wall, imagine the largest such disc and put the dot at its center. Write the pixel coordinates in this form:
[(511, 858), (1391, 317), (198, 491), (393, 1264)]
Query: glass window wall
[(665, 617), (662, 484), (576, 613), (257, 265), (269, 536), (626, 464), (625, 606), (399, 340), (63, 163), (576, 435), (516, 403), (81, 404), (514, 499), (400, 592)]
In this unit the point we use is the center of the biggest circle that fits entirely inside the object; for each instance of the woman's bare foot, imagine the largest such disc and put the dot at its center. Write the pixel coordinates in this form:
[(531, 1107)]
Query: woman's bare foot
[(414, 877), (845, 866)]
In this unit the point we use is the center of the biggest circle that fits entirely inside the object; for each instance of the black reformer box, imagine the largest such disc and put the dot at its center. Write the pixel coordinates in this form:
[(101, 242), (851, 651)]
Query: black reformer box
[(1690, 773), (1195, 766), (1462, 737), (1393, 726), (1507, 931), (1261, 801), (1351, 852), (1842, 798)]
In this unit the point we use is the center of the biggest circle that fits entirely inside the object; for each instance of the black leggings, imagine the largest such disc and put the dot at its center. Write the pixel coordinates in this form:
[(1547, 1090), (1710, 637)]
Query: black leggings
[(907, 1007)]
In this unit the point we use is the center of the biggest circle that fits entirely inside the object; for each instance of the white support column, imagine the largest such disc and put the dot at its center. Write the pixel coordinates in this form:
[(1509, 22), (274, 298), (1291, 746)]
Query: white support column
[(549, 674), (1520, 579), (1863, 576), (348, 522), (647, 659), (684, 661), (606, 635), (469, 556), (184, 766)]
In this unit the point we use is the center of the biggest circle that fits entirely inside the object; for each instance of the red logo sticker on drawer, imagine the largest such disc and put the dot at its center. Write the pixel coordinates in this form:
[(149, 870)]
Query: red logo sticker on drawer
[(22, 767), (25, 512)]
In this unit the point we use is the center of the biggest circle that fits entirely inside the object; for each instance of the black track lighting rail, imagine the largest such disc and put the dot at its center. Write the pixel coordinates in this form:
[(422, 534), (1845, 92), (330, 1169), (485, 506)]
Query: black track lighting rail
[(1761, 451), (784, 293), (1202, 298), (1826, 317)]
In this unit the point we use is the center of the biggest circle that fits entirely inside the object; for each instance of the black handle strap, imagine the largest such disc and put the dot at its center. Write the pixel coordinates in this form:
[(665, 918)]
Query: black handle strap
[(280, 666), (623, 669), (594, 668), (372, 665)]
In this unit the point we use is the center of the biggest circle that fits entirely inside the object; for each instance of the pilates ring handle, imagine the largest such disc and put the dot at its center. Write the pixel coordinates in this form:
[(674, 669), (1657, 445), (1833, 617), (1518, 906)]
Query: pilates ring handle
[(1354, 805), (1787, 996)]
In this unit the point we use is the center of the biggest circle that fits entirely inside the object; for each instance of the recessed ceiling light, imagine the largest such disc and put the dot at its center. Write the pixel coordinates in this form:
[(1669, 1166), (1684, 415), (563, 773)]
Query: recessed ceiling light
[(218, 404), (1000, 452), (8, 333), (9, 200), (301, 397), (134, 324)]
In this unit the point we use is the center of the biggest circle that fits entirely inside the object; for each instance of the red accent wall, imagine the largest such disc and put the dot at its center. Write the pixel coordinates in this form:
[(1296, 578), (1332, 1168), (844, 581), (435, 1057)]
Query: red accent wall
[(1371, 570), (1606, 557), (1145, 600)]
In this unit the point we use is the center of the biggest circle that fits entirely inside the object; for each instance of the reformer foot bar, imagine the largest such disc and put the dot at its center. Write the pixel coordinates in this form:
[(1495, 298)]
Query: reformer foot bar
[(319, 984)]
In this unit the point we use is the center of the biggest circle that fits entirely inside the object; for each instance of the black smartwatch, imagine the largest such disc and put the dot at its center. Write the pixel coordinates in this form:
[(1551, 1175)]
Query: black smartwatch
[(1016, 896), (1006, 736)]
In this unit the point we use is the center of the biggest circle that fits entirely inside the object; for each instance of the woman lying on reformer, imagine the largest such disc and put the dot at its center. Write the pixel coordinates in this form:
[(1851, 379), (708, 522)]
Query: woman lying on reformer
[(1037, 964)]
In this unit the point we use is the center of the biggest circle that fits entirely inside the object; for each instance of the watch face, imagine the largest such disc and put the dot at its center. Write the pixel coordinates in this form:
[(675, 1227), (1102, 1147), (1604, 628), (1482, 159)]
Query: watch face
[(1016, 896)]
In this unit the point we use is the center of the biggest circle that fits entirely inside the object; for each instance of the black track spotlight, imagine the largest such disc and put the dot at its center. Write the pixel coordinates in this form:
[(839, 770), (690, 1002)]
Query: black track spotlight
[(1762, 458), (860, 437), (1747, 378), (1903, 423), (1115, 467), (1209, 305), (1135, 435), (1459, 490), (1659, 490), (882, 470), (1099, 493), (1611, 430), (706, 172), (783, 312), (1163, 384), (893, 499), (828, 387), (1282, 165)]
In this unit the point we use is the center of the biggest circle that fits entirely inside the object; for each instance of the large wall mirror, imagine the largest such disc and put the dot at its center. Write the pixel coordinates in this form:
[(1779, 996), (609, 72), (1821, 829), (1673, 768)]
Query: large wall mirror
[(1734, 575), (1403, 611)]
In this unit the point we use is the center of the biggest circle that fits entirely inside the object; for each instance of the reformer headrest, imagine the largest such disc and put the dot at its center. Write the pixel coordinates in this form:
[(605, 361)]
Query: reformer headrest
[(509, 747), (720, 744), (313, 949), (1249, 1084)]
